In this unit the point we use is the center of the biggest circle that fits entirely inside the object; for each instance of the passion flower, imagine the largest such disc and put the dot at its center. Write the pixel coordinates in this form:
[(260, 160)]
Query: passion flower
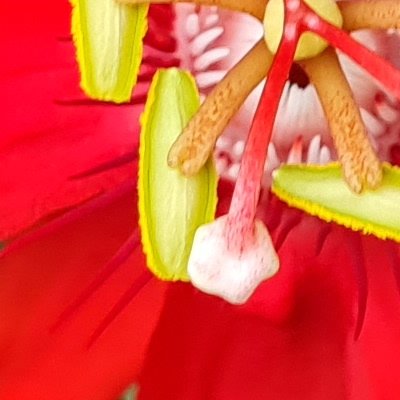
[(292, 339), (291, 29)]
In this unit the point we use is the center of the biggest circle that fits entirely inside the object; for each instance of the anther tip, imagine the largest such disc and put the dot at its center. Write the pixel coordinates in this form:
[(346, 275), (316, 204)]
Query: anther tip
[(189, 168), (172, 159)]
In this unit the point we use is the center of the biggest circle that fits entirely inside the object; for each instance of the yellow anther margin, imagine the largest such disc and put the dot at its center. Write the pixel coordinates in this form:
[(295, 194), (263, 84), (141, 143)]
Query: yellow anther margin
[(322, 192), (171, 206), (109, 43)]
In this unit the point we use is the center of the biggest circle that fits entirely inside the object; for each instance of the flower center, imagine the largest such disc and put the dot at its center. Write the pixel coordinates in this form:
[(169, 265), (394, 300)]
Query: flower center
[(310, 45)]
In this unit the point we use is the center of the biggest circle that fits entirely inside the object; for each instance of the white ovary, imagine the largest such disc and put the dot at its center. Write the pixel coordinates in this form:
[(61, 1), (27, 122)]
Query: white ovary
[(232, 275)]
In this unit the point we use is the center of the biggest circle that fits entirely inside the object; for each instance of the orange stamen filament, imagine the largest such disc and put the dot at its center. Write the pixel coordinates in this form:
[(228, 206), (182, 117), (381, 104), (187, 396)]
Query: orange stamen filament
[(194, 146), (370, 14), (361, 166)]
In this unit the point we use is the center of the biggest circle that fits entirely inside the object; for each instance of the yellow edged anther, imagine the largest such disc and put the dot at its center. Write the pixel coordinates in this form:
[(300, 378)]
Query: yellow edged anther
[(109, 43), (321, 191), (171, 206), (310, 45)]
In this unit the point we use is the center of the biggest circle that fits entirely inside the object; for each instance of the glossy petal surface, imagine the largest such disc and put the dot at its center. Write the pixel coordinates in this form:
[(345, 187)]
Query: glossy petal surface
[(295, 338), (37, 282), (50, 131)]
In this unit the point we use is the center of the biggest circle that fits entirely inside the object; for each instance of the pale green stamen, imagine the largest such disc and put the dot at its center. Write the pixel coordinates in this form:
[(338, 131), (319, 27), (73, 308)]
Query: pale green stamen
[(171, 206), (109, 42), (321, 191)]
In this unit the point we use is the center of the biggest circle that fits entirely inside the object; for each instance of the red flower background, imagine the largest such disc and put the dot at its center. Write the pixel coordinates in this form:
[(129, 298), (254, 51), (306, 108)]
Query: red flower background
[(293, 340), (50, 133)]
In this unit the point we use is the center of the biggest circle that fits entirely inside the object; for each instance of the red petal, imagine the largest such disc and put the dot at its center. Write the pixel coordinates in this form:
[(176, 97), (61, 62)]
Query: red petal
[(295, 337), (205, 348), (43, 142), (38, 281), (375, 358)]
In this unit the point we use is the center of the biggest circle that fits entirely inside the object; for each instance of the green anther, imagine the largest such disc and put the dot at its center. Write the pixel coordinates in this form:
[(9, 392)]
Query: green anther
[(171, 205), (321, 191), (109, 43)]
